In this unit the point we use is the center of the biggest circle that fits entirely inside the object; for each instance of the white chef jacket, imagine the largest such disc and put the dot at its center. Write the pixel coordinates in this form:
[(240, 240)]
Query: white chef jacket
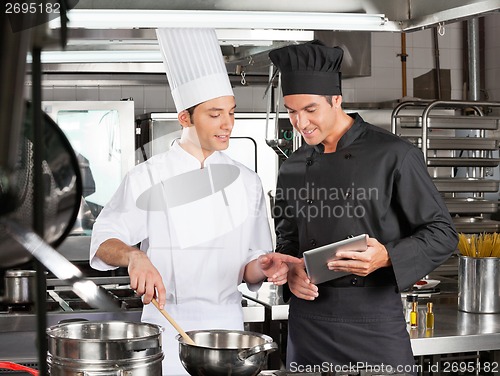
[(201, 276)]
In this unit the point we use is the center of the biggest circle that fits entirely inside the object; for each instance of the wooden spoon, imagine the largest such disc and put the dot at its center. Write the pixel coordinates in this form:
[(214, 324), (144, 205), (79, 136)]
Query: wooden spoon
[(174, 324)]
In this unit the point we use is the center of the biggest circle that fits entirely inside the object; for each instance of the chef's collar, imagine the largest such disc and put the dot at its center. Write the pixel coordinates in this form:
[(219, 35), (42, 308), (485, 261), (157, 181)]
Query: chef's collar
[(347, 138), (215, 157), (320, 148), (352, 133)]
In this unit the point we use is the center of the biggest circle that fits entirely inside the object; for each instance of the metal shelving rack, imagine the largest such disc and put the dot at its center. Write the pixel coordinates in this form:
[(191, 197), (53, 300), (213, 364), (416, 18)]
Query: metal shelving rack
[(458, 164)]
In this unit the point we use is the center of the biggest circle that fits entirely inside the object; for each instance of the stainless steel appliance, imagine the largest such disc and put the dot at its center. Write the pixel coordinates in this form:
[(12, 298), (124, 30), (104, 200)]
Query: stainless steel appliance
[(102, 136)]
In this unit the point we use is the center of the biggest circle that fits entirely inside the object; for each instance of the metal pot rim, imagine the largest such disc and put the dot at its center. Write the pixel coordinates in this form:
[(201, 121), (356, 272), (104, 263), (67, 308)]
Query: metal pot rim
[(20, 273), (54, 331), (222, 331)]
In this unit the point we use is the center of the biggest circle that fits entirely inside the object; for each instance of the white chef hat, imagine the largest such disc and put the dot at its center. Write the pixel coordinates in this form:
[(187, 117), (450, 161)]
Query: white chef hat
[(195, 67)]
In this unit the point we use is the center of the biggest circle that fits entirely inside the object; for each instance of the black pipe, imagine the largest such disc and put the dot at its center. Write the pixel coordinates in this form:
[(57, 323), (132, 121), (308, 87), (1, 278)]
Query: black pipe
[(38, 207), (436, 62)]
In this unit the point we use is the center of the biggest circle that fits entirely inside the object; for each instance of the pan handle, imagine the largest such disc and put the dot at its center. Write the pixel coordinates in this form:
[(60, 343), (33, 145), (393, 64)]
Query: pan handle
[(151, 343), (68, 321), (269, 346)]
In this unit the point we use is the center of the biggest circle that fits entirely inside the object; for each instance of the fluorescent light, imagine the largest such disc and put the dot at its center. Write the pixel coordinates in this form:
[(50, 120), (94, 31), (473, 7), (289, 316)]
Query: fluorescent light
[(138, 18), (261, 37), (150, 52), (60, 57)]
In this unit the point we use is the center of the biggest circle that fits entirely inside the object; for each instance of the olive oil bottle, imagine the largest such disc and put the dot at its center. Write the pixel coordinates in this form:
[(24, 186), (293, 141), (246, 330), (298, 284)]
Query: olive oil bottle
[(414, 315), (429, 316)]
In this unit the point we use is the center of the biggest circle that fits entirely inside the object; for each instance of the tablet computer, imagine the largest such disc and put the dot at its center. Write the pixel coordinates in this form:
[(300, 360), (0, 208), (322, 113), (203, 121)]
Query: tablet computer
[(316, 259)]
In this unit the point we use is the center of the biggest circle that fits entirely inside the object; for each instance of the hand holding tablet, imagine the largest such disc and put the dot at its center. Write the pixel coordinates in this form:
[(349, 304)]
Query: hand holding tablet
[(316, 259)]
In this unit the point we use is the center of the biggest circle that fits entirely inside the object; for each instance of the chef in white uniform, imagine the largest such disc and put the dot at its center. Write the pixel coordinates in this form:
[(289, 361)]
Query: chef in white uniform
[(199, 216)]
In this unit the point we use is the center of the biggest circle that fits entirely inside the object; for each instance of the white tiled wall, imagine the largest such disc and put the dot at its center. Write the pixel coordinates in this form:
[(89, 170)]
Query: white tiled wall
[(385, 83)]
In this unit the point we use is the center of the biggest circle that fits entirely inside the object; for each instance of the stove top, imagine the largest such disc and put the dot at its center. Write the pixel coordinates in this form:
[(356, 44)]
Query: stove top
[(10, 308), (126, 298), (67, 301), (7, 308)]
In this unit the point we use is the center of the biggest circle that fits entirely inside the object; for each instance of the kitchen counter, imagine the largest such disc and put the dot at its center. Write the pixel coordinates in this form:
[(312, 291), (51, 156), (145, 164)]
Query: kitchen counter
[(454, 331)]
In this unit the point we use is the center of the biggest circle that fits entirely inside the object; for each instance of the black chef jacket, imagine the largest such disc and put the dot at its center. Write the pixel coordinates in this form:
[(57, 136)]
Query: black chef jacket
[(375, 183)]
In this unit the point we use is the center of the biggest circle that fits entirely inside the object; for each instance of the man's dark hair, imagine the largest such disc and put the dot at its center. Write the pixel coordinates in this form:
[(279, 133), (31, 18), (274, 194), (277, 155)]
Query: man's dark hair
[(190, 110), (329, 99)]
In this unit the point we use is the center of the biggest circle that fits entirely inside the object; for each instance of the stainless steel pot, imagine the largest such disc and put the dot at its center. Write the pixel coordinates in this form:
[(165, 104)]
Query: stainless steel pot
[(20, 286), (104, 348), (479, 284), (225, 352)]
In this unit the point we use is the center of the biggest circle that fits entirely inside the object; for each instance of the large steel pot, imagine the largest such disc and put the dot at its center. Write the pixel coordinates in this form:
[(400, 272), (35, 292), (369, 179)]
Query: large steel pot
[(225, 352), (104, 348)]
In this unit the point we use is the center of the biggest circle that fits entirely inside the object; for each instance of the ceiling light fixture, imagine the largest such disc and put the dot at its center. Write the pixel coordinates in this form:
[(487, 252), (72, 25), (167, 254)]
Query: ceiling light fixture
[(63, 57), (138, 18)]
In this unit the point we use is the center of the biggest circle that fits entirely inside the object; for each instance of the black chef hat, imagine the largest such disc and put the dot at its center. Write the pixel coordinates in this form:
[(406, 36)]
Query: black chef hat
[(309, 68)]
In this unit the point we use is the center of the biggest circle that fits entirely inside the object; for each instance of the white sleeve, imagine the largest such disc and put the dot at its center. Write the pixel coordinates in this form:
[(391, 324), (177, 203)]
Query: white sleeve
[(261, 242), (120, 219)]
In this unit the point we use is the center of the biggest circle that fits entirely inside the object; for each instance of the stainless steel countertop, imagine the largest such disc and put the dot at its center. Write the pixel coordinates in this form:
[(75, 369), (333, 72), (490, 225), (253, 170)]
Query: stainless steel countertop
[(454, 331)]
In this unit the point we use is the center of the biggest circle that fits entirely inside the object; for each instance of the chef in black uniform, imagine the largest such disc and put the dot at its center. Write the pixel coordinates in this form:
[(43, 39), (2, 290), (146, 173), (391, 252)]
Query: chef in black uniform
[(348, 178)]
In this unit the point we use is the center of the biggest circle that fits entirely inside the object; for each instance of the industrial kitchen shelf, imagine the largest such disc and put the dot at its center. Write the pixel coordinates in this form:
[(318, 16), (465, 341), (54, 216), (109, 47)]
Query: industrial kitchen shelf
[(446, 122), (470, 205), (466, 184), (431, 131), (472, 225), (462, 162), (458, 143)]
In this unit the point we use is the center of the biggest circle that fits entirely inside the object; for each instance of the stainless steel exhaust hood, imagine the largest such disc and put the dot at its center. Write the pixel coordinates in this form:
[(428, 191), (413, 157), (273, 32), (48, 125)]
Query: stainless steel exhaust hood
[(119, 34)]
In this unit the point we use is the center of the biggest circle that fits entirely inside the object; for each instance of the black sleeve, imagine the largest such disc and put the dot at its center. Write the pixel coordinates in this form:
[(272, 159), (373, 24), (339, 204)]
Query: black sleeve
[(434, 237), (287, 239)]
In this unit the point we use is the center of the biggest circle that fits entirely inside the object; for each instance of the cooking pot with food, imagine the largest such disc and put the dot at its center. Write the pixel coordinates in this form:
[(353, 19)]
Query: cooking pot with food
[(225, 352), (104, 348)]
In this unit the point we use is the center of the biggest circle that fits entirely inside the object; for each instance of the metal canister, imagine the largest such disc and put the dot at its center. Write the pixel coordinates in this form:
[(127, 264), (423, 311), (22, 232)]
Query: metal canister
[(20, 286), (479, 284)]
